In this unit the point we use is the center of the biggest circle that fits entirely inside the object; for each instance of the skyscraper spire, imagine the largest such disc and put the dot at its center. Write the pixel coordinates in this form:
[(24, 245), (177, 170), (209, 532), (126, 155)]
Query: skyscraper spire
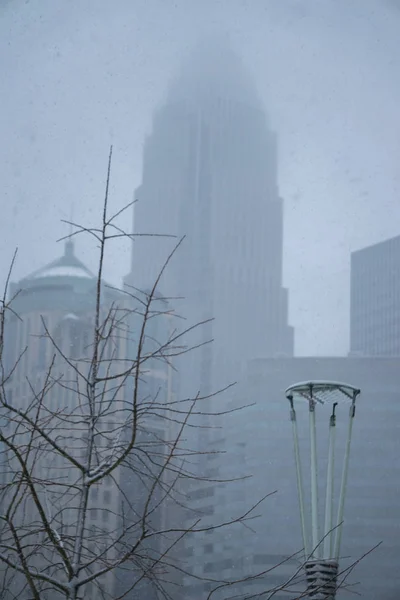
[(69, 244), (69, 248)]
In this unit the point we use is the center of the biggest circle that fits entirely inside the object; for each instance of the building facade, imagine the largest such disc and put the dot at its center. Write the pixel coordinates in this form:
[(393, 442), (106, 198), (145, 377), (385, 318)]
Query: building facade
[(257, 442), (375, 299), (48, 359), (210, 181), (210, 176), (47, 352)]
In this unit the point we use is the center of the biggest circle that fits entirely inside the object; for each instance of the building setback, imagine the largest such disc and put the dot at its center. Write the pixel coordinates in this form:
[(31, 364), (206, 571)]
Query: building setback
[(375, 299)]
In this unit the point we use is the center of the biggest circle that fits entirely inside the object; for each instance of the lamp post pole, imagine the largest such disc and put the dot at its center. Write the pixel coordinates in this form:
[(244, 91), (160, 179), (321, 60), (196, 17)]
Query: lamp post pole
[(321, 553)]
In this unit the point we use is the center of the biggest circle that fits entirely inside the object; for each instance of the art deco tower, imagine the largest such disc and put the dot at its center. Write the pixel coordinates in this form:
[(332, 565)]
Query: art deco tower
[(210, 174)]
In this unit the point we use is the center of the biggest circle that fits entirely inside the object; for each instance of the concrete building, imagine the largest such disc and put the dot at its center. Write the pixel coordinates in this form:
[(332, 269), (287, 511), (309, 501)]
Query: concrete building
[(258, 442), (375, 299), (61, 298), (156, 434), (210, 174)]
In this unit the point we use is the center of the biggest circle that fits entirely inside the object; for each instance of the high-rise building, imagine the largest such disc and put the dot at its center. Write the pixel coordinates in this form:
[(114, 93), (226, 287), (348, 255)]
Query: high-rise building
[(210, 174), (375, 299), (49, 330)]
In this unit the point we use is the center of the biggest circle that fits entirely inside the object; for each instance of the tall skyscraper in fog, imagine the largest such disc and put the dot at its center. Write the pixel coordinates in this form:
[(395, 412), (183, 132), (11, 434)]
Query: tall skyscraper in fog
[(375, 299), (210, 174)]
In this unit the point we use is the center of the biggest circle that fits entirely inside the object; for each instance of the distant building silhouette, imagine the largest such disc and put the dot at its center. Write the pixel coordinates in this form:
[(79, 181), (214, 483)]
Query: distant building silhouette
[(61, 297), (375, 299), (210, 174)]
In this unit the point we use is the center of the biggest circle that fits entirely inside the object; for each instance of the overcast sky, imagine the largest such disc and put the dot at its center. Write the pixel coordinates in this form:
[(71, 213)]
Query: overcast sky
[(78, 75)]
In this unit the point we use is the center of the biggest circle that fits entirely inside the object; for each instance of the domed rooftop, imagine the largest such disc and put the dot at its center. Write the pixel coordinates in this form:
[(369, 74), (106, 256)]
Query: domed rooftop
[(65, 284), (67, 265)]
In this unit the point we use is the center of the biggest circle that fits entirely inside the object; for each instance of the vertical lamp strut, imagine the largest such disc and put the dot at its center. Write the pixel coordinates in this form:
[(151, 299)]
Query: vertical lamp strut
[(328, 534), (338, 536), (299, 477), (314, 479), (322, 557)]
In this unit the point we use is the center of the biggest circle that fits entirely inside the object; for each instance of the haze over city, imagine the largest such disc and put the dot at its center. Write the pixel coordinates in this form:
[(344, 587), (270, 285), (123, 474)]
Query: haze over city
[(221, 422), (78, 77)]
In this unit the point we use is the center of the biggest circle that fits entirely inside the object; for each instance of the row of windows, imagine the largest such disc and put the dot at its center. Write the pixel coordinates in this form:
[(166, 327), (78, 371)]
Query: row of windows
[(103, 514)]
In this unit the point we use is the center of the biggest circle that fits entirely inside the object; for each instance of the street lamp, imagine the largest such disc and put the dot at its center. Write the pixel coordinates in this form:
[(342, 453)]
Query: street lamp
[(322, 552)]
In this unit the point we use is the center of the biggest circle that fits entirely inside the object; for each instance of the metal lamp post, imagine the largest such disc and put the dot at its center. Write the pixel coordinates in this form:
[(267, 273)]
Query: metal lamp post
[(322, 546)]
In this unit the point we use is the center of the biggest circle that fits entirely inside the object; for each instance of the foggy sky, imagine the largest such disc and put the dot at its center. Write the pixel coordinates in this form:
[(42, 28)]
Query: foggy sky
[(78, 76)]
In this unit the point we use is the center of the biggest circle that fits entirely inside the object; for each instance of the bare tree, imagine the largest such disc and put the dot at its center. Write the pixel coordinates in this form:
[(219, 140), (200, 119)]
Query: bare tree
[(94, 458)]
